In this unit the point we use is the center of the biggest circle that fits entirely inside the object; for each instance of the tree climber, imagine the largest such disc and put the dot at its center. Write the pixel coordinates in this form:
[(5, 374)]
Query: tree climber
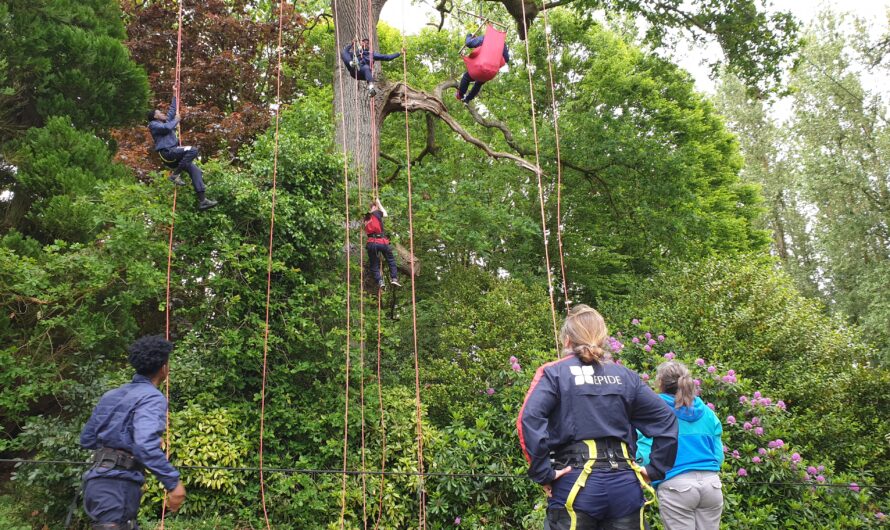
[(358, 62), (174, 156), (378, 242), (125, 432), (473, 41)]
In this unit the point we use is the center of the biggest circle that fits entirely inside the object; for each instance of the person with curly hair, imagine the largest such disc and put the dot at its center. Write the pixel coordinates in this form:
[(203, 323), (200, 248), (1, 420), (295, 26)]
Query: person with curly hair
[(125, 433)]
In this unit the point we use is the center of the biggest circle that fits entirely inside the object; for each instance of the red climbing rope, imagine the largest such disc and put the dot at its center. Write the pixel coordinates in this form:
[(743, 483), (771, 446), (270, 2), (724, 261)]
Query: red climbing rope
[(421, 512), (348, 273), (269, 261), (531, 93), (168, 308), (555, 110)]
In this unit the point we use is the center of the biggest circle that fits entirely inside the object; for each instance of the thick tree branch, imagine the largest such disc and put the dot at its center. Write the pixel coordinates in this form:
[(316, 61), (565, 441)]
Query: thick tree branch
[(399, 96)]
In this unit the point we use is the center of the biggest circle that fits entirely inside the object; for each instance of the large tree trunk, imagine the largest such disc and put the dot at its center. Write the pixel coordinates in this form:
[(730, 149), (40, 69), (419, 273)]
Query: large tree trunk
[(357, 129)]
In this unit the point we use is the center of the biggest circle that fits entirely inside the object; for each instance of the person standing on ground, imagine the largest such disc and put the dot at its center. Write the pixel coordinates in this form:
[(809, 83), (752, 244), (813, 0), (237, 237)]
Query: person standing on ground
[(691, 495), (576, 428), (125, 432)]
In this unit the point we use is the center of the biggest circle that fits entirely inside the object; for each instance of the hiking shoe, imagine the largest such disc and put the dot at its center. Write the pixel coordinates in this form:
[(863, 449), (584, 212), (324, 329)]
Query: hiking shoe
[(175, 179), (395, 283), (382, 285), (206, 204)]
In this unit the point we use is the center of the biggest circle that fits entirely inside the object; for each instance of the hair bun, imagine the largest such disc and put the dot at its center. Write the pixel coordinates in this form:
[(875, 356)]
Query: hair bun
[(589, 353)]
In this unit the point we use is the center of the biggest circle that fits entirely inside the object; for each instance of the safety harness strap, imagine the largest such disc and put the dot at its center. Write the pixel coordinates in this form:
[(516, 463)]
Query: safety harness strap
[(636, 467), (579, 483)]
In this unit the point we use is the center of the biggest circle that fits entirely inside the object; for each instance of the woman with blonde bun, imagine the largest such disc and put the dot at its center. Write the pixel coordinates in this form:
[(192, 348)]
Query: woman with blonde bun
[(577, 430)]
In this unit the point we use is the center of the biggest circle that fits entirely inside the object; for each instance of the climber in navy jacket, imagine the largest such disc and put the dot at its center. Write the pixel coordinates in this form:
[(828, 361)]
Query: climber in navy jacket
[(577, 430), (358, 62)]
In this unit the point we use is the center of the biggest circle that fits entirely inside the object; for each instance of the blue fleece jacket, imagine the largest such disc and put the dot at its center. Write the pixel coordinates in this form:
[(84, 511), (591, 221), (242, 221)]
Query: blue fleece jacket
[(700, 440)]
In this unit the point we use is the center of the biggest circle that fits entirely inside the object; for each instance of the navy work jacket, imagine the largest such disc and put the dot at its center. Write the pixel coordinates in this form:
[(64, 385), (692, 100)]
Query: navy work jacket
[(364, 56), (570, 401), (131, 417), (164, 132), (475, 42)]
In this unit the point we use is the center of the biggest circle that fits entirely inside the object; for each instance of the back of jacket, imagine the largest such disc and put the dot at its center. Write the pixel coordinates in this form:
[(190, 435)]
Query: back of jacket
[(132, 418), (570, 401)]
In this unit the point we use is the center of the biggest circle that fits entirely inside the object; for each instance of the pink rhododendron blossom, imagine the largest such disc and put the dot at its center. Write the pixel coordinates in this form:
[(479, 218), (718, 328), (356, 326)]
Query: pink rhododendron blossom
[(758, 431), (644, 377), (854, 487), (697, 382), (730, 420), (755, 421), (712, 369), (729, 379), (669, 355), (711, 406), (635, 340), (700, 361), (661, 338), (820, 478), (757, 395), (490, 391), (513, 359), (743, 472), (820, 469), (747, 426), (767, 401), (880, 516), (780, 404), (756, 460), (743, 399), (647, 348), (811, 470), (651, 342), (725, 448), (762, 451), (735, 453), (516, 367), (795, 457), (635, 322), (648, 335), (730, 372), (457, 520)]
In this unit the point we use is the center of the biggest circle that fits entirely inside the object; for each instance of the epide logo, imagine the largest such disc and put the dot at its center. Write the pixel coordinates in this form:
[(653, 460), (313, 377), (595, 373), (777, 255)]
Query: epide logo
[(584, 376)]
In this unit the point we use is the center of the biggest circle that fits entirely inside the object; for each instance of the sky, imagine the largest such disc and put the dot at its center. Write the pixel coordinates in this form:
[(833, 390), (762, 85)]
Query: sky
[(411, 16)]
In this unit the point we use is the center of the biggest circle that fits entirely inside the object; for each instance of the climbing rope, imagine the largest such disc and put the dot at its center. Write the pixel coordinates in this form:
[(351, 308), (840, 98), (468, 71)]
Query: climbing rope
[(555, 110), (348, 272), (269, 261), (531, 93), (168, 308), (382, 420), (421, 512)]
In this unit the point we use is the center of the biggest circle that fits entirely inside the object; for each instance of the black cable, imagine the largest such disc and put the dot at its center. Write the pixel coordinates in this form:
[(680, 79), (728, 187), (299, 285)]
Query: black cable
[(302, 471)]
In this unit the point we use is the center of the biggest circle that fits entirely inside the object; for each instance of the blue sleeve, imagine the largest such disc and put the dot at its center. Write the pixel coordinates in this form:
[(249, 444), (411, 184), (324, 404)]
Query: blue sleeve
[(644, 447), (171, 113), (532, 425), (149, 421), (506, 54), (161, 128), (654, 419), (346, 54), (88, 436), (718, 439), (386, 57), (473, 42)]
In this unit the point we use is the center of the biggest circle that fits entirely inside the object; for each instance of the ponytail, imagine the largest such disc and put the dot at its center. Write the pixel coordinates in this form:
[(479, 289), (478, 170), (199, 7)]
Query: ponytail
[(585, 333), (674, 378)]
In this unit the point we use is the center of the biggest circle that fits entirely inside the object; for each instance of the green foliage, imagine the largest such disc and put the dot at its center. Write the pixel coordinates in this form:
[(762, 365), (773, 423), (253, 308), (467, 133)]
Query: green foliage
[(67, 58)]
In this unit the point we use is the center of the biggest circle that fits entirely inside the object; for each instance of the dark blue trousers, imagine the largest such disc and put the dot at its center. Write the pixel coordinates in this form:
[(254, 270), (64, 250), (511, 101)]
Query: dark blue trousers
[(605, 499), (374, 257), (184, 160), (112, 500), (465, 84), (362, 73)]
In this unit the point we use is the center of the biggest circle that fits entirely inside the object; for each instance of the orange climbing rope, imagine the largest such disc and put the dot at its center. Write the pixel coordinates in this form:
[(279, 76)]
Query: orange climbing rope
[(382, 421), (269, 261), (555, 110), (531, 94), (348, 273), (168, 308), (421, 512)]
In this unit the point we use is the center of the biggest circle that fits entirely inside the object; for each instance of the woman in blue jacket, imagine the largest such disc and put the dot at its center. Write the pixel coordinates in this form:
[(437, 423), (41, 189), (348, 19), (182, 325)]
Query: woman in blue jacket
[(690, 497), (576, 429)]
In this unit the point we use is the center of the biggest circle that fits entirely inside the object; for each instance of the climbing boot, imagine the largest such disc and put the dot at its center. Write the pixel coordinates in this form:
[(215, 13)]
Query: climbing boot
[(372, 90), (206, 204), (394, 282), (381, 284), (175, 178)]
